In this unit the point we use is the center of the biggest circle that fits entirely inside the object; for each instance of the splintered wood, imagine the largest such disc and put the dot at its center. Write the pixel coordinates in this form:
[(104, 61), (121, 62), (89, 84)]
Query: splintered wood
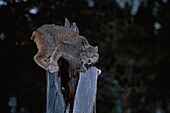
[(85, 98)]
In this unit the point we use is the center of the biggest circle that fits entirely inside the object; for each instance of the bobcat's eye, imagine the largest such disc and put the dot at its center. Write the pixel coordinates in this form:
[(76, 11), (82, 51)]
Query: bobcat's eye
[(49, 56), (83, 50), (94, 56)]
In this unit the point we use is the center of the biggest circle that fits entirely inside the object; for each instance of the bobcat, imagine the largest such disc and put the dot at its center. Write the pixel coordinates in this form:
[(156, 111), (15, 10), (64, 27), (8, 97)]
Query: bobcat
[(55, 41)]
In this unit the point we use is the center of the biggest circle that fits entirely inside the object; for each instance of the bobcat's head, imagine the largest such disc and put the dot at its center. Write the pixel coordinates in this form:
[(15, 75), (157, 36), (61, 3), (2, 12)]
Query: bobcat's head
[(89, 55)]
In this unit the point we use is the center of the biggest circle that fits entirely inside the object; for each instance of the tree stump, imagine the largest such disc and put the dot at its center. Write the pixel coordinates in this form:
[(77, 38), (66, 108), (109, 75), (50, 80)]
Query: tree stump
[(55, 100), (85, 98)]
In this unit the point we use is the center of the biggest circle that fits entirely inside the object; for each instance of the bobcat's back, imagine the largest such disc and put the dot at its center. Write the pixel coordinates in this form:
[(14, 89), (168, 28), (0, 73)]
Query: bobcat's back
[(59, 34), (50, 36)]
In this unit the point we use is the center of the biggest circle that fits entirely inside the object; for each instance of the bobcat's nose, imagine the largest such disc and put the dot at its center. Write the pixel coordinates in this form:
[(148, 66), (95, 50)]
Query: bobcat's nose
[(89, 62)]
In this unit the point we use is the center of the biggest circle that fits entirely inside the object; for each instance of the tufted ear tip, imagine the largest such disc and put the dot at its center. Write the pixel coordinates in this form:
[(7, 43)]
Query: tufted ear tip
[(67, 23), (75, 28)]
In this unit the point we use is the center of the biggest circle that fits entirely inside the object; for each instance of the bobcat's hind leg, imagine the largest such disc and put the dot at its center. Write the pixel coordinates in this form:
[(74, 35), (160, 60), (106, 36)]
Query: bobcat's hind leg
[(41, 59), (53, 65)]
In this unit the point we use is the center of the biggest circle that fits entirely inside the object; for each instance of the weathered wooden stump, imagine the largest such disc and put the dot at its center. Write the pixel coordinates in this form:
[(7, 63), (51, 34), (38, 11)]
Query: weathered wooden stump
[(55, 100), (85, 98)]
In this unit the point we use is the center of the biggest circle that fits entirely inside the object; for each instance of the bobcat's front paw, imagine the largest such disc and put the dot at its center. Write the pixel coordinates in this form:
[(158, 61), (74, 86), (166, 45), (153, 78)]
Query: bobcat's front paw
[(53, 67), (81, 69)]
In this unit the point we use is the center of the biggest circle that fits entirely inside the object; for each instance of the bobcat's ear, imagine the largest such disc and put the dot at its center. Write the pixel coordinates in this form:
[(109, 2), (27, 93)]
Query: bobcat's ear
[(75, 28), (67, 23), (96, 48), (83, 48)]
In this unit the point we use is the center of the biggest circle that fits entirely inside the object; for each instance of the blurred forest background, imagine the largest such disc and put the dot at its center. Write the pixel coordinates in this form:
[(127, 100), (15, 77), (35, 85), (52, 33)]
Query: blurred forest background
[(132, 36)]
